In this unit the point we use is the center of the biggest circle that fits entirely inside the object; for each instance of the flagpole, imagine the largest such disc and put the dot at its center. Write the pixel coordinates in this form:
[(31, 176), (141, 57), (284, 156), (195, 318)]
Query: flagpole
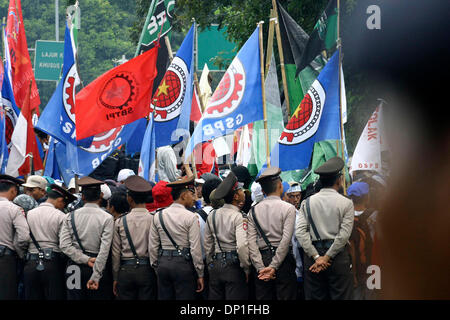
[(150, 10), (339, 46), (263, 89), (270, 41), (280, 52)]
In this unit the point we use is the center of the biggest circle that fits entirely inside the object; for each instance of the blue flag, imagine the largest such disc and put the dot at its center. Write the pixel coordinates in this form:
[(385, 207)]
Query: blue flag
[(147, 159), (315, 119), (51, 165), (135, 145), (237, 100), (172, 100), (88, 159), (10, 107), (58, 117)]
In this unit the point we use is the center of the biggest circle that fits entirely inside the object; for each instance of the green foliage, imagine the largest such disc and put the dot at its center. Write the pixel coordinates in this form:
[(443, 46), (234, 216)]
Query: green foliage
[(104, 34)]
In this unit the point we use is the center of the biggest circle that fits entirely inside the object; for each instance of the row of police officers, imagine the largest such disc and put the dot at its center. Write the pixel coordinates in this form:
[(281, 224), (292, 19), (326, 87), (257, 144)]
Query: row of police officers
[(85, 254)]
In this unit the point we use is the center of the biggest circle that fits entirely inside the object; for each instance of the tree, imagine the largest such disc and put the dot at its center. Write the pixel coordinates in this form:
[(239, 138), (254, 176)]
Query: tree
[(104, 35), (241, 16)]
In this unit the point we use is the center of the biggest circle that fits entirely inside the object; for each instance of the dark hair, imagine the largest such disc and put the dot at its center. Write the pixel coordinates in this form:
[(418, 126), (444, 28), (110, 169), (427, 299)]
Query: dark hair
[(229, 197), (359, 200), (119, 201), (208, 187), (269, 186), (5, 186), (328, 182), (138, 197), (91, 194), (176, 193), (54, 195)]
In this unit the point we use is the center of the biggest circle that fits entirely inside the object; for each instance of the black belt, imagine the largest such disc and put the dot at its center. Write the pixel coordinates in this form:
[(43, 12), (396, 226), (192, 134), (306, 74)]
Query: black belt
[(229, 255), (323, 244), (47, 256), (5, 251), (264, 251), (90, 254), (134, 262), (173, 253)]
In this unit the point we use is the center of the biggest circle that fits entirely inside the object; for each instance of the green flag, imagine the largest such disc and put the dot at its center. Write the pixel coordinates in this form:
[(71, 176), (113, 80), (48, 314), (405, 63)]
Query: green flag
[(323, 37), (159, 20), (323, 151), (294, 40), (274, 122)]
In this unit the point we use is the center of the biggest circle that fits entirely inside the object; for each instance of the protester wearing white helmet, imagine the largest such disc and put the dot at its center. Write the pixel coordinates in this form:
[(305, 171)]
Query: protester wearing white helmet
[(123, 174)]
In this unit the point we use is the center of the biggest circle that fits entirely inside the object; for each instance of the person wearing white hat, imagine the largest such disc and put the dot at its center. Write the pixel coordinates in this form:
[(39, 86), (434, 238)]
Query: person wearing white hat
[(35, 187), (123, 174)]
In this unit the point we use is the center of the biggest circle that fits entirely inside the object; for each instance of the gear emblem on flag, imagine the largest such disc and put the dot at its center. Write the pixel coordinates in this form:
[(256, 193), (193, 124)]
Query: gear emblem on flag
[(306, 119), (70, 82), (229, 93), (104, 141), (119, 91), (169, 97)]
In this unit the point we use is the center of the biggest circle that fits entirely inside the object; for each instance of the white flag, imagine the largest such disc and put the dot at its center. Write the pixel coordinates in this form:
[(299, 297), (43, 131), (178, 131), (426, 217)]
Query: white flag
[(367, 155), (244, 148)]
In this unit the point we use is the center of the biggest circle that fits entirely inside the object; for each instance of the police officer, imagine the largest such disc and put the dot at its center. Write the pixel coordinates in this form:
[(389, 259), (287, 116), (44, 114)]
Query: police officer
[(226, 245), (270, 229), (14, 236), (86, 237), (44, 269), (178, 261), (323, 229), (134, 279)]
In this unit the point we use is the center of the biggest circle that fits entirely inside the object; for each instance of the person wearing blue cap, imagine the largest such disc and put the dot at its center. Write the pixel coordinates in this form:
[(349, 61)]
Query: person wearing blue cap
[(360, 240)]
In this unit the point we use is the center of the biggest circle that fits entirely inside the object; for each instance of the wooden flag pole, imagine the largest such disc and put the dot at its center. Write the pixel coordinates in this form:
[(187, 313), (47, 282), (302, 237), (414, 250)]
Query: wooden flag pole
[(263, 89), (339, 46), (270, 41), (280, 52)]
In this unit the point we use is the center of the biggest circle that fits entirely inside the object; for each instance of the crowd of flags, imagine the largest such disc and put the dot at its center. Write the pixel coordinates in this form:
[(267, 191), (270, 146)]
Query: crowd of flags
[(150, 100)]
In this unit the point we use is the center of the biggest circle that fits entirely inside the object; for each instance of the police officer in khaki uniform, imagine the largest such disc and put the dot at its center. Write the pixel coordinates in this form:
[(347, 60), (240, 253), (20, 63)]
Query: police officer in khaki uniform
[(323, 229), (86, 237), (270, 229), (226, 245), (14, 236), (134, 279), (175, 248), (44, 269)]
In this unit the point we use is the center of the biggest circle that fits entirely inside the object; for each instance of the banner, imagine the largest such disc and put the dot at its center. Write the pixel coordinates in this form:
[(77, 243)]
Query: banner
[(172, 101), (237, 100), (367, 155), (21, 68)]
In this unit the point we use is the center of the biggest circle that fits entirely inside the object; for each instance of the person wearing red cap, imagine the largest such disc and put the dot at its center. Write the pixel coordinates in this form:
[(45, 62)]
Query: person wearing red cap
[(162, 196)]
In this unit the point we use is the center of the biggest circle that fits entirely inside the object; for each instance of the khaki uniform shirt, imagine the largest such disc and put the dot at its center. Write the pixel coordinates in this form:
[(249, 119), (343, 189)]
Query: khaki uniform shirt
[(277, 220), (45, 222), (333, 216), (232, 233), (139, 222), (14, 231), (184, 228), (95, 229)]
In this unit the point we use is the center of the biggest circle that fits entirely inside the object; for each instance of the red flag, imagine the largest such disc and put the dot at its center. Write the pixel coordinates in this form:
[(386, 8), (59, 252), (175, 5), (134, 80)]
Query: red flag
[(21, 68), (118, 97), (196, 111), (24, 143)]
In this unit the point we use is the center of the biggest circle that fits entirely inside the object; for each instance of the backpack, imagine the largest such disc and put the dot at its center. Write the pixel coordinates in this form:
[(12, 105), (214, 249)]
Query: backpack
[(361, 246)]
